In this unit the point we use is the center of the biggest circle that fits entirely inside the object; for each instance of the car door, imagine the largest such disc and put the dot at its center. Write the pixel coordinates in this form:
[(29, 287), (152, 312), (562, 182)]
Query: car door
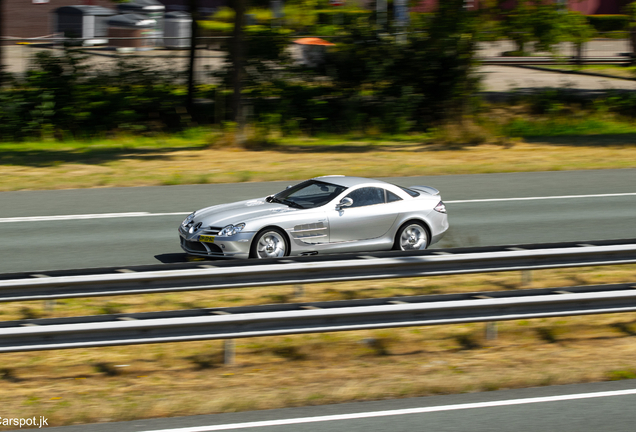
[(311, 229), (370, 216)]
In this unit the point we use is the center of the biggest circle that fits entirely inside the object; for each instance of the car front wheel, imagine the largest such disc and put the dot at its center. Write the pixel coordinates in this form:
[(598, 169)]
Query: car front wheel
[(411, 236), (269, 243)]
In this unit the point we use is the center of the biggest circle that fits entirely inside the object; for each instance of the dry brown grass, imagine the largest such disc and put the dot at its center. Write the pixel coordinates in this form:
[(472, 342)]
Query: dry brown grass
[(123, 383), (215, 165)]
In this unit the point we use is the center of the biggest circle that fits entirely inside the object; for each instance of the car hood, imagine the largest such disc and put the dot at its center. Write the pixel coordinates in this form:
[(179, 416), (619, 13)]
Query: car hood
[(238, 212)]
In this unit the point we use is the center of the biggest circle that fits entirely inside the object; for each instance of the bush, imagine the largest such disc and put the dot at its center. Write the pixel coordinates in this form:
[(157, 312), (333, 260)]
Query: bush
[(369, 81), (300, 16), (224, 14), (554, 101), (213, 28), (60, 96), (609, 23), (340, 16)]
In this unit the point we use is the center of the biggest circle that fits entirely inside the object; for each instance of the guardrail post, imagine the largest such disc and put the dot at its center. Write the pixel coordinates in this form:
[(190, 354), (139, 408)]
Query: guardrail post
[(219, 106), (526, 278), (49, 305), (491, 330), (228, 352), (299, 291)]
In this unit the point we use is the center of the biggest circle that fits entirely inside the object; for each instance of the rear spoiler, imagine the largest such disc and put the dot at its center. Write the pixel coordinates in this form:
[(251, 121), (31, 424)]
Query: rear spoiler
[(426, 189)]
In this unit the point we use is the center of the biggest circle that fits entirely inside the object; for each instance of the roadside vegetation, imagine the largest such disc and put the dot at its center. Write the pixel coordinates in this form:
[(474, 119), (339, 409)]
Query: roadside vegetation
[(544, 131), (377, 106), (616, 71), (126, 383), (372, 79), (397, 106), (297, 159)]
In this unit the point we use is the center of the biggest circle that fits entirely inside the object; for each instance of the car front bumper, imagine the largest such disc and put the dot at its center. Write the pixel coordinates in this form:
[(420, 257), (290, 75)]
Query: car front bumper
[(236, 246)]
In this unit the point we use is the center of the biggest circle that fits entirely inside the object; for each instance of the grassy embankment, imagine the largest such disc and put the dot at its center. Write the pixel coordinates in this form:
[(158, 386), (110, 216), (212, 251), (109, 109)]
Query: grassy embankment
[(124, 383), (506, 139), (617, 71), (121, 383)]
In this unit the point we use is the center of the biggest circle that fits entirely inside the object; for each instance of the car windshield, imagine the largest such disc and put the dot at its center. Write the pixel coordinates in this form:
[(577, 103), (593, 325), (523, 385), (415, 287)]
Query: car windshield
[(309, 194)]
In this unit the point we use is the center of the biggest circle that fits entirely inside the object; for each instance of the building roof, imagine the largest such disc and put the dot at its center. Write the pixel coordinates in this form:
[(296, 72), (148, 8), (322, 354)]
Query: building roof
[(85, 10)]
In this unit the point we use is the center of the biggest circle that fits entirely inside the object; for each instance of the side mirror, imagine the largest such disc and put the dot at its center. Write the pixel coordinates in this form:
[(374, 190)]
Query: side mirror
[(345, 202)]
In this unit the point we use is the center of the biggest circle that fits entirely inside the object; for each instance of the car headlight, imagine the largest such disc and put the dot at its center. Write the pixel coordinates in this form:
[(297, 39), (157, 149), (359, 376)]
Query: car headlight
[(188, 219), (230, 230), (440, 208)]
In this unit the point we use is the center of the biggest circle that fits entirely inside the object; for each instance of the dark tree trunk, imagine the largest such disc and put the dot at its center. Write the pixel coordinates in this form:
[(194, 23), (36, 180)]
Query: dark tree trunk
[(632, 38), (193, 4), (1, 43), (237, 62)]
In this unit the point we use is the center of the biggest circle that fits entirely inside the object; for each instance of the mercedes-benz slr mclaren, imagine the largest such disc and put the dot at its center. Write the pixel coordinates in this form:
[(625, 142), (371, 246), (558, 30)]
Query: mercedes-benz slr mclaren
[(330, 214)]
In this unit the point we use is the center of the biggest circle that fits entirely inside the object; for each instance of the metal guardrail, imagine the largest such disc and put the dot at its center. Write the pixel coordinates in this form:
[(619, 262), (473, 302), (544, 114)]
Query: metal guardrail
[(430, 263), (269, 320), (510, 61)]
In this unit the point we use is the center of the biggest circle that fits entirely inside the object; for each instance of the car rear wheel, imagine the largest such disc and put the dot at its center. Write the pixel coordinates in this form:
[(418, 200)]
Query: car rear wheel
[(269, 243), (411, 236)]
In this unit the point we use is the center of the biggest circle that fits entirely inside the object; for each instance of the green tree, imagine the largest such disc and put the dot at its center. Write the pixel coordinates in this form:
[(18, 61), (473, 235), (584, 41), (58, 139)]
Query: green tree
[(429, 76), (517, 25), (548, 25), (630, 10), (577, 29), (532, 21), (1, 42)]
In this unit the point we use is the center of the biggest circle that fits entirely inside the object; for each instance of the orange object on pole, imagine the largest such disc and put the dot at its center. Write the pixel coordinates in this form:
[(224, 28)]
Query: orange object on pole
[(313, 41)]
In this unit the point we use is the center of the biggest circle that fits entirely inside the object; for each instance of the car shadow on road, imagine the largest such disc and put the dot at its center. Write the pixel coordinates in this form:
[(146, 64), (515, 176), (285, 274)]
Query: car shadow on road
[(172, 258), (176, 258)]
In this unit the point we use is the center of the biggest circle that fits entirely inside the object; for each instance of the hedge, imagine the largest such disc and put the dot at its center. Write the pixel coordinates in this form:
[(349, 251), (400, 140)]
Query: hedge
[(608, 23), (340, 16)]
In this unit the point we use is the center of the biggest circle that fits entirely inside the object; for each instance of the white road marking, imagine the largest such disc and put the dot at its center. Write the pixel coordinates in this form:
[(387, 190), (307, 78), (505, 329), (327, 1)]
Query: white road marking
[(399, 412), (87, 216), (146, 214), (540, 198)]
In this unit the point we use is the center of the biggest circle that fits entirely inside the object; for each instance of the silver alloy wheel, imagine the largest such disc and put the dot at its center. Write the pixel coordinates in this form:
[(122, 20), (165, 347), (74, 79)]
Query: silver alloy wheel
[(271, 244), (413, 237)]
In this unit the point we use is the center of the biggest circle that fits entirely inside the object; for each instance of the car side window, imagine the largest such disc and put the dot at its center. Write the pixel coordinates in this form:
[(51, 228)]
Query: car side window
[(391, 197), (366, 196)]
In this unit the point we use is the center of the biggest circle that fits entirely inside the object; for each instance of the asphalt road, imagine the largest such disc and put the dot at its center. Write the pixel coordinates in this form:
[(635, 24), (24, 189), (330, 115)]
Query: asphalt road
[(605, 406), (32, 238)]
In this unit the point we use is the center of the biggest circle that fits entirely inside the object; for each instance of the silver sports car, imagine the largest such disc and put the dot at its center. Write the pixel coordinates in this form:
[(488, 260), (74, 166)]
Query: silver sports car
[(327, 214)]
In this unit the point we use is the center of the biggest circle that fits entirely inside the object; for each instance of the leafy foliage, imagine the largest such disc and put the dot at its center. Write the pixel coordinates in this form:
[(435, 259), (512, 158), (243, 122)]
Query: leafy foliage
[(576, 28), (372, 80), (564, 101), (532, 21), (61, 95), (608, 23), (266, 54), (428, 75)]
